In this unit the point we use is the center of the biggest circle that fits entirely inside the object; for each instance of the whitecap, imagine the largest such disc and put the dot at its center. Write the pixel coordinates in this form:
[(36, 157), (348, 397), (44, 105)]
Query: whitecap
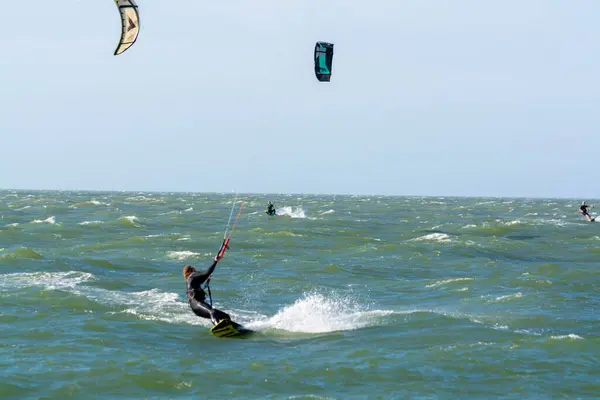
[(446, 281), (183, 255), (570, 336), (51, 280), (90, 223), (49, 220), (505, 298), (438, 237)]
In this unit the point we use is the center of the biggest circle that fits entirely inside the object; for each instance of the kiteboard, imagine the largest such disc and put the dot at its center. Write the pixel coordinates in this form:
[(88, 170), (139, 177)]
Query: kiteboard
[(589, 218), (228, 328)]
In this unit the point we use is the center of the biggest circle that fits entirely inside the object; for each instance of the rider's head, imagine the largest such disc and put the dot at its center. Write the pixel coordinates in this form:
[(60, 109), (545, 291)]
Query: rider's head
[(187, 271), (583, 203)]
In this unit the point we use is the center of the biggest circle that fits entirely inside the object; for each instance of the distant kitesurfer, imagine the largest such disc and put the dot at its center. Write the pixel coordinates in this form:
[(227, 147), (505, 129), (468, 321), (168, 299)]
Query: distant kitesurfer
[(583, 210), (197, 296), (271, 209)]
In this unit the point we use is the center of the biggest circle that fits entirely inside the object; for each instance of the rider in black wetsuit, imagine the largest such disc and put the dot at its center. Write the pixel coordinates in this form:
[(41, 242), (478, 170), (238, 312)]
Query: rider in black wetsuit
[(196, 295), (271, 209), (584, 211)]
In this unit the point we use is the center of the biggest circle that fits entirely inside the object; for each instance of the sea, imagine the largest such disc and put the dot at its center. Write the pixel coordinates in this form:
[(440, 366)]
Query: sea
[(350, 297)]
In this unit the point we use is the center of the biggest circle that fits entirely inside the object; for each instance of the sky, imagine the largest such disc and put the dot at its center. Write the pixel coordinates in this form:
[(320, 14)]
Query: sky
[(427, 97)]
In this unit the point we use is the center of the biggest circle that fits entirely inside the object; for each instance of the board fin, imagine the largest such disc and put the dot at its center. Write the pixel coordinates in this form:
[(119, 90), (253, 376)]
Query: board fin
[(228, 328)]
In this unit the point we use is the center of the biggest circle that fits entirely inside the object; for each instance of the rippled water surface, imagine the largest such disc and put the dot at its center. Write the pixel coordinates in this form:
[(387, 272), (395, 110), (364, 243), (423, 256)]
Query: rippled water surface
[(351, 297)]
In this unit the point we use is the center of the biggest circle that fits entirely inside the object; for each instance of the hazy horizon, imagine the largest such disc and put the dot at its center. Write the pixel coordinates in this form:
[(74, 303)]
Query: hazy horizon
[(245, 194)]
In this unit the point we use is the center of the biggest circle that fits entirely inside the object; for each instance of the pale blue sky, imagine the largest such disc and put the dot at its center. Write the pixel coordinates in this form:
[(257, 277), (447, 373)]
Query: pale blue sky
[(427, 97)]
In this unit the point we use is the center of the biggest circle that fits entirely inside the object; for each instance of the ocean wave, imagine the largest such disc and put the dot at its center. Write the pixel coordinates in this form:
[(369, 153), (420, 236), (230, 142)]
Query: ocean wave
[(88, 204), (447, 281), (570, 336), (131, 221), (283, 234), (145, 199), (90, 223), (49, 220), (22, 253), (184, 255), (505, 298), (510, 223), (50, 280), (435, 237)]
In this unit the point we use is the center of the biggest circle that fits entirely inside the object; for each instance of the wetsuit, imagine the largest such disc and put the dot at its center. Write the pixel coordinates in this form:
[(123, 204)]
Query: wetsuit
[(584, 211), (197, 297), (271, 210)]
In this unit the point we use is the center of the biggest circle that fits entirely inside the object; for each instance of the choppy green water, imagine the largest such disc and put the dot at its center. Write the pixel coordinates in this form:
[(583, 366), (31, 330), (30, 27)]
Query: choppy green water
[(352, 297)]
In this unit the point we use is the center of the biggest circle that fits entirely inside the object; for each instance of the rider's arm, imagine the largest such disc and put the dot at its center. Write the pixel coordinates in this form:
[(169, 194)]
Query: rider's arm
[(198, 278), (212, 267)]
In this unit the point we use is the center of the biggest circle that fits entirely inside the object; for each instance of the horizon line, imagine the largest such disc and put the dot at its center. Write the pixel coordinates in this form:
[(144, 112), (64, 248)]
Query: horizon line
[(155, 191)]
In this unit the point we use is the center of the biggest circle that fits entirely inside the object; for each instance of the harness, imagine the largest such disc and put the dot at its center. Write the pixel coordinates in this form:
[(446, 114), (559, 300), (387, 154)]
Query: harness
[(191, 294)]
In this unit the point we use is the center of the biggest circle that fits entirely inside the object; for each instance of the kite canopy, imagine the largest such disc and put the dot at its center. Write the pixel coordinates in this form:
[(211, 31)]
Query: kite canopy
[(130, 24), (323, 61)]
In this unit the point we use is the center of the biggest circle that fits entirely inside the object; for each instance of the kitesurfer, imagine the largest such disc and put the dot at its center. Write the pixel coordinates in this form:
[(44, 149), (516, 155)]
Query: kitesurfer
[(197, 296), (583, 210), (271, 209)]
